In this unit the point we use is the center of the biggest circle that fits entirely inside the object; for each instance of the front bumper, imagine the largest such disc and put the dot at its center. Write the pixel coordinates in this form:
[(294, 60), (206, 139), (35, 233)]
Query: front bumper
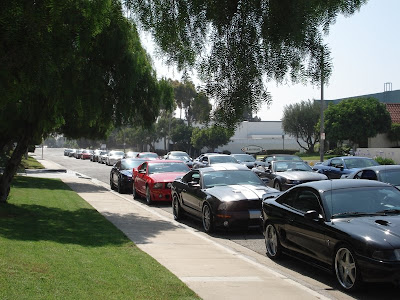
[(379, 271), (234, 219), (161, 194)]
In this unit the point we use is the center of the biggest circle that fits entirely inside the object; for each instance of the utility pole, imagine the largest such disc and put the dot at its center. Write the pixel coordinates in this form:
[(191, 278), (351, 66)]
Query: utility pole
[(322, 133)]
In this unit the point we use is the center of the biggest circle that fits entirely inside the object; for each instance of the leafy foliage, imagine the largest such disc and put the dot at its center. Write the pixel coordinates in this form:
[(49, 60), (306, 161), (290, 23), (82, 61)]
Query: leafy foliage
[(300, 121), (384, 161), (211, 137), (356, 119), (236, 45), (394, 133)]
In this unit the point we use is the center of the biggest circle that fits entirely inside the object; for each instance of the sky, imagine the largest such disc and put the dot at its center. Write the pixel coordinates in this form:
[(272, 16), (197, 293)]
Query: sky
[(365, 52)]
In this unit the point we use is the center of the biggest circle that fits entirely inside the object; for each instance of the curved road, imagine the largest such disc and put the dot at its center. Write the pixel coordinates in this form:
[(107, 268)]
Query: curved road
[(319, 280)]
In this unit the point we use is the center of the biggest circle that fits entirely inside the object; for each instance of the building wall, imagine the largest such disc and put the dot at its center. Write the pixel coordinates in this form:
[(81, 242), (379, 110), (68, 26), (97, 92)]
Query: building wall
[(392, 153), (381, 141)]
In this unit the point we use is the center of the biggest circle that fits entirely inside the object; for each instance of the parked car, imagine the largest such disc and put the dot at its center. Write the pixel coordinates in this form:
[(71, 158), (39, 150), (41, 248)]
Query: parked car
[(275, 157), (67, 151), (121, 174), (86, 154), (131, 154), (113, 157), (336, 167), (248, 160), (283, 175), (349, 226), (72, 153), (147, 155), (226, 195), (180, 155), (389, 174), (153, 179), (103, 157), (78, 153), (95, 155), (212, 159)]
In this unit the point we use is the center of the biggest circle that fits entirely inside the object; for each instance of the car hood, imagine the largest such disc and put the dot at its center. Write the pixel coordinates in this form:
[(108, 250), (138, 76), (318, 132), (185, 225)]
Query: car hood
[(127, 172), (166, 177), (302, 175), (372, 229), (239, 192)]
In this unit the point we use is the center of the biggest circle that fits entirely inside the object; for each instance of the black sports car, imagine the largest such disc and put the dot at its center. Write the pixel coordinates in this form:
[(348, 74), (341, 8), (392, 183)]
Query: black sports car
[(349, 226), (225, 195), (121, 174)]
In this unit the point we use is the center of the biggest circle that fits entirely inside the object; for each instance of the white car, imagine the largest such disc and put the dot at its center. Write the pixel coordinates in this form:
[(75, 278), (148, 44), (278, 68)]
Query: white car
[(114, 156)]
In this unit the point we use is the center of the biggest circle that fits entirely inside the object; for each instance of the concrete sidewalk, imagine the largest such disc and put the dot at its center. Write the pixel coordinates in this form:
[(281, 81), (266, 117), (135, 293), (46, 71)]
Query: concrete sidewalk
[(209, 268)]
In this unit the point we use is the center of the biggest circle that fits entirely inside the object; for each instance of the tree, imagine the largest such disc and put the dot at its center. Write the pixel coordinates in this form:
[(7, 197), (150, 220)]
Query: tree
[(300, 120), (356, 120), (238, 45), (181, 135), (201, 108), (211, 137), (73, 67), (185, 93), (394, 133)]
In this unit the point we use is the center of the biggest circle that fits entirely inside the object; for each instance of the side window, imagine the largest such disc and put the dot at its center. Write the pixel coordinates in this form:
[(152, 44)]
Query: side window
[(307, 200), (336, 162), (358, 175), (288, 198), (143, 167), (368, 174), (118, 164), (191, 177)]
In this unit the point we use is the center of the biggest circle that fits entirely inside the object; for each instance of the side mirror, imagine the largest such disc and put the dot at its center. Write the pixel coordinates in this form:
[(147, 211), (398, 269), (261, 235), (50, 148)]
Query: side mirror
[(194, 184), (312, 215), (142, 171)]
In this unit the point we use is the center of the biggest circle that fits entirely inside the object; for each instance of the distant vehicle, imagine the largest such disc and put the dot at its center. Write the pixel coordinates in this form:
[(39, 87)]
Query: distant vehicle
[(102, 158), (78, 153), (113, 157), (131, 154), (212, 159), (388, 173), (225, 195), (147, 155), (283, 175), (86, 154), (180, 155), (248, 160), (153, 179), (121, 174), (336, 167), (275, 157), (95, 155), (72, 153), (350, 227), (67, 151)]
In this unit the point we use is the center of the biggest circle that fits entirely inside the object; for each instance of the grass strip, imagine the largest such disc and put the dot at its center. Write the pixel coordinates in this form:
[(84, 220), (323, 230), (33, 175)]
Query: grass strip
[(54, 245)]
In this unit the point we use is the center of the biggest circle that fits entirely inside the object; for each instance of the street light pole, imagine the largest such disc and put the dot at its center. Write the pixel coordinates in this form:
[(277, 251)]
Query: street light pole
[(322, 133)]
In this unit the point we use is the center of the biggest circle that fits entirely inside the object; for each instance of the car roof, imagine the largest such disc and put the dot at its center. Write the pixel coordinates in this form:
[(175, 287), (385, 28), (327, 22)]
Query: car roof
[(224, 167), (158, 161), (381, 168), (336, 184), (350, 157)]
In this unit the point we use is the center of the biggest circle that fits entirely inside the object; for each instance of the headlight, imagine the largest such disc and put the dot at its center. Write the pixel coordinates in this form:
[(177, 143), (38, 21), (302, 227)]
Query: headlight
[(158, 185), (293, 181), (169, 185), (387, 255)]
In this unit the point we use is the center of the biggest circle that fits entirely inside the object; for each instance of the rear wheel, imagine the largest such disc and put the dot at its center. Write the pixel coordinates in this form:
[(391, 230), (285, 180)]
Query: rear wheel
[(272, 244), (177, 209), (119, 187), (148, 196), (208, 222), (111, 183), (346, 269), (277, 186)]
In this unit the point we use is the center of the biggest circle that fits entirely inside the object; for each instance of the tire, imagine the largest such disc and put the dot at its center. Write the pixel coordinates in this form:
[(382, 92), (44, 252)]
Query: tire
[(346, 269), (272, 243), (208, 222), (177, 209), (134, 194), (277, 186), (148, 196), (111, 184), (119, 186)]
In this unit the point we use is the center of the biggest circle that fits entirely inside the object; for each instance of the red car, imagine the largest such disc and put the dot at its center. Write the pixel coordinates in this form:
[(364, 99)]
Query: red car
[(86, 154), (153, 179)]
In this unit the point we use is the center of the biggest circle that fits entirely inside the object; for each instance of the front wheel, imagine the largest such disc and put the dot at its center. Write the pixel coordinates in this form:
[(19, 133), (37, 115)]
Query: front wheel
[(148, 196), (346, 269), (272, 244), (119, 186), (277, 186), (208, 222), (111, 183), (134, 194)]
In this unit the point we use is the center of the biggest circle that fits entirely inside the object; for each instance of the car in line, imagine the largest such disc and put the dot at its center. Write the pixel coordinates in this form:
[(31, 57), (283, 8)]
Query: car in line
[(180, 155), (335, 167), (67, 151), (72, 153), (385, 173), (224, 195), (95, 155), (121, 174), (348, 226), (113, 157), (282, 175), (147, 155), (86, 154), (153, 179), (131, 154), (275, 157), (248, 160), (78, 153), (102, 157), (211, 159)]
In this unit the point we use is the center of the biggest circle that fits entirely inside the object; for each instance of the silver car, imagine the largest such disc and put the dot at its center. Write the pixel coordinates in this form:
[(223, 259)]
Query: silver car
[(114, 156)]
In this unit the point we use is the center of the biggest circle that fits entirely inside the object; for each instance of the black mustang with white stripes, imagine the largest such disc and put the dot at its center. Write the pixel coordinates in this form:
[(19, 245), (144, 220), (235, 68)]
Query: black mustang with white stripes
[(223, 195)]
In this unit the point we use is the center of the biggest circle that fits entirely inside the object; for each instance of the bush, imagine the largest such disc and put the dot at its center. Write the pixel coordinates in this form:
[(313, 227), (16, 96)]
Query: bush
[(339, 151), (385, 161)]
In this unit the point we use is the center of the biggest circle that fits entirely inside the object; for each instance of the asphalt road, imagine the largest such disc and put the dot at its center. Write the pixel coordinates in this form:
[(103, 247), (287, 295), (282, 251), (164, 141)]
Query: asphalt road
[(320, 280)]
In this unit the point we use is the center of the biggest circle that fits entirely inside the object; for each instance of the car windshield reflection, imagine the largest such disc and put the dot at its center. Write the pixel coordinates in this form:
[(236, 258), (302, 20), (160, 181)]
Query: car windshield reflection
[(167, 167)]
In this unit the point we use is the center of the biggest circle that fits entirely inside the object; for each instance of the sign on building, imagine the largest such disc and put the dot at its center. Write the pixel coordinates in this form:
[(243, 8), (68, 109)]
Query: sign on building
[(252, 149)]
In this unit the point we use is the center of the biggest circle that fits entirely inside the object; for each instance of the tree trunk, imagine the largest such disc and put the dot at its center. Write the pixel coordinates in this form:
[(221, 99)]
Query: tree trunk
[(11, 168)]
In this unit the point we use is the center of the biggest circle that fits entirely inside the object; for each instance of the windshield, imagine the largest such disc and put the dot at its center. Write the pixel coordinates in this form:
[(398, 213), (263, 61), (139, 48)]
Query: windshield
[(130, 164), (167, 167), (244, 157), (218, 159), (117, 153), (285, 166), (220, 178), (390, 176), (148, 155), (360, 162), (358, 201), (179, 157)]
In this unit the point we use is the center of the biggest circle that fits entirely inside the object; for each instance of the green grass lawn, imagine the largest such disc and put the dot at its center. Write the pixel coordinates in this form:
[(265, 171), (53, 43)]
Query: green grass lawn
[(54, 245), (29, 163)]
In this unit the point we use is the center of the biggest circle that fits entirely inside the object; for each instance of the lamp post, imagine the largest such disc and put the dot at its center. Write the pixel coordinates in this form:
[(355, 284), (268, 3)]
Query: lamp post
[(283, 141), (322, 133)]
